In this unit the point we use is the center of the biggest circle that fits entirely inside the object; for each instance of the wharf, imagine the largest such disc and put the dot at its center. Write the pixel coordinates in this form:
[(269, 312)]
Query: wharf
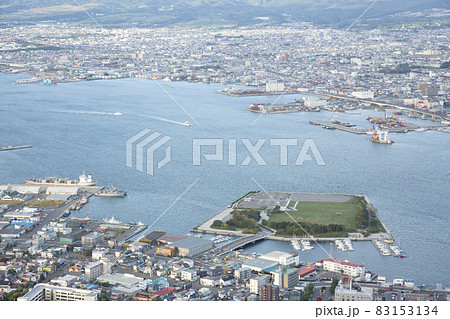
[(239, 93), (136, 229), (11, 148), (339, 127)]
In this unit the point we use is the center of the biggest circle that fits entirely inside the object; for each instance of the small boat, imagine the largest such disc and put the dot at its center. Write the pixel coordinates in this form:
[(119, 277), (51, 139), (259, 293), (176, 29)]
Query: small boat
[(187, 124), (117, 114)]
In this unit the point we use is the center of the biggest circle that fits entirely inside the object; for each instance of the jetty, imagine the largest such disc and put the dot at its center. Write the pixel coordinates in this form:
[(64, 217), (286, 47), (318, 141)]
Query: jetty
[(11, 148)]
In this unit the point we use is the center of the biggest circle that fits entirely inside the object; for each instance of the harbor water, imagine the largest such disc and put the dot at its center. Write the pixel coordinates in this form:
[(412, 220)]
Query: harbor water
[(72, 128)]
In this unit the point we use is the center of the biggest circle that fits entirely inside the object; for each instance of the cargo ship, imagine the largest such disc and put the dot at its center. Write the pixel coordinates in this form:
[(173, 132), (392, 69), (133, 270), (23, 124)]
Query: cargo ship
[(84, 180), (381, 137), (111, 192)]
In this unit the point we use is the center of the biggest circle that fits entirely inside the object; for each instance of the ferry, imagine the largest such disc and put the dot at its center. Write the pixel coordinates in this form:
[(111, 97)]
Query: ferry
[(83, 180), (187, 124)]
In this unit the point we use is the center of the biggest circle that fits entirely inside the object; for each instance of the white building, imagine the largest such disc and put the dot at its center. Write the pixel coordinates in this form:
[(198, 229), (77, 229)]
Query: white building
[(257, 282), (398, 281), (342, 294), (189, 275), (275, 87), (96, 269), (210, 281), (283, 258), (126, 280), (99, 253), (315, 102), (363, 94), (47, 292), (344, 267)]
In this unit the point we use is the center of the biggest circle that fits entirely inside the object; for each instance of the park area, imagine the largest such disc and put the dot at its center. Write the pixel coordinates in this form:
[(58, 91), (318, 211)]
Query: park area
[(342, 213)]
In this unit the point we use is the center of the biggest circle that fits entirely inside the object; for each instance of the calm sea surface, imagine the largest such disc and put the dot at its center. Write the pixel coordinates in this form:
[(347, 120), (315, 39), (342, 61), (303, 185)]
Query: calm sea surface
[(72, 129)]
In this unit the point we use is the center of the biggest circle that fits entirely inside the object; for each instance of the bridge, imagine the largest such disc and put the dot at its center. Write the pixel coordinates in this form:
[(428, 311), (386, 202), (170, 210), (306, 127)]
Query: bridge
[(243, 241)]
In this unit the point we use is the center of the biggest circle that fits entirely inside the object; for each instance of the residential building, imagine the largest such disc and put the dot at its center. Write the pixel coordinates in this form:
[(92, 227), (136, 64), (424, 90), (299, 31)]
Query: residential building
[(189, 275), (257, 282), (344, 267), (47, 292), (91, 239), (269, 293), (96, 269), (243, 274)]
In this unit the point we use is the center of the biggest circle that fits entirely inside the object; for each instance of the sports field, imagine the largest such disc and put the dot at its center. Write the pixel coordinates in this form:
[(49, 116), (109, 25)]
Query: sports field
[(320, 212)]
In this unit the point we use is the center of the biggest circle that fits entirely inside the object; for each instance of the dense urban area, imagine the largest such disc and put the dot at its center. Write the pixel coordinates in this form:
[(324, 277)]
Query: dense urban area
[(50, 251)]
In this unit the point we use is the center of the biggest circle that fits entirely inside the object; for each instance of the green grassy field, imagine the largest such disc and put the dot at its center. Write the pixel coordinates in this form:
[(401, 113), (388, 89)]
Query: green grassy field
[(10, 202), (45, 203), (323, 213)]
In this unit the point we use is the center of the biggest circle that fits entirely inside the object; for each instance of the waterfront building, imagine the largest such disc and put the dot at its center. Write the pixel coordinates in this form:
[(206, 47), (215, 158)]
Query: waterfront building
[(191, 246), (283, 258), (344, 267)]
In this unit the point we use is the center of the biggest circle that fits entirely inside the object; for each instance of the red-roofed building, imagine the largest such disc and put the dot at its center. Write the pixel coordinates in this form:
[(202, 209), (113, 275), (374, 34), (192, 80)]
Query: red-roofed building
[(344, 267), (306, 272)]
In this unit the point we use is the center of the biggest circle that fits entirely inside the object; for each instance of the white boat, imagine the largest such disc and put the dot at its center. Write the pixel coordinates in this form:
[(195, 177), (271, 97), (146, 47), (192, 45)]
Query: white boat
[(112, 220), (187, 124), (306, 244), (117, 114), (296, 245)]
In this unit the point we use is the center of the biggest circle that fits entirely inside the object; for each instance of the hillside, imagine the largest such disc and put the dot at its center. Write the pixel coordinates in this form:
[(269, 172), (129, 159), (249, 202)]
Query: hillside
[(337, 13)]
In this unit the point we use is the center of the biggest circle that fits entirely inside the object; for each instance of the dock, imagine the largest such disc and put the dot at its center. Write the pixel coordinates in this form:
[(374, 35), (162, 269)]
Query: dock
[(332, 125), (11, 148), (136, 229), (240, 93)]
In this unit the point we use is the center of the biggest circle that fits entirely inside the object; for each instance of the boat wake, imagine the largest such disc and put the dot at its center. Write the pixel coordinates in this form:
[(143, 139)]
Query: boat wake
[(166, 120), (87, 112)]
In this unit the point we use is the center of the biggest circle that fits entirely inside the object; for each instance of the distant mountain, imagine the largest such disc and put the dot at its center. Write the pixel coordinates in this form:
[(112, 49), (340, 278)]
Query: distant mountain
[(338, 13)]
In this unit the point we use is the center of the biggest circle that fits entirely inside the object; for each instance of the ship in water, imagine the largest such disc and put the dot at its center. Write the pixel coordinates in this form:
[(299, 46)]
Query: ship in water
[(117, 114), (29, 80), (80, 204), (111, 220), (83, 180), (381, 137), (111, 192), (187, 124)]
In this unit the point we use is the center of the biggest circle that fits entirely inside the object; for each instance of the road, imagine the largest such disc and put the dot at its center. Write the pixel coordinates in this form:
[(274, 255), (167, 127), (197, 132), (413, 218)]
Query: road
[(57, 213)]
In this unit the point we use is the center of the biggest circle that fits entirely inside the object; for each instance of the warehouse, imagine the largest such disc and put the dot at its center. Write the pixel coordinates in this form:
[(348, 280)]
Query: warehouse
[(191, 246)]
